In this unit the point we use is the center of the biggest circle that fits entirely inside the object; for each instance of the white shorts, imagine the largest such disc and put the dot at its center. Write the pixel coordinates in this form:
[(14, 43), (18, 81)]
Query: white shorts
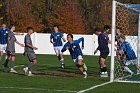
[(58, 50), (78, 58), (3, 47), (133, 62)]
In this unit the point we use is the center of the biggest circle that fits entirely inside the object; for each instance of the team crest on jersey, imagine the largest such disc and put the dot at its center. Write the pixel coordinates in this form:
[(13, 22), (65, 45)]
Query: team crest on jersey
[(73, 48)]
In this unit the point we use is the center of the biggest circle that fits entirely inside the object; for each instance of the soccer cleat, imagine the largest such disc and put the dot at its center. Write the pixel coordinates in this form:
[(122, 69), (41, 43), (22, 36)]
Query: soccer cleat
[(63, 66), (30, 74), (85, 76), (25, 70), (13, 71), (103, 74), (85, 67)]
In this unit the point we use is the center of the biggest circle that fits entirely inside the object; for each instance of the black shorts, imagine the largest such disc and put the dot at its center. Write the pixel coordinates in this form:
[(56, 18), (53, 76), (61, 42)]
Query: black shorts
[(103, 55)]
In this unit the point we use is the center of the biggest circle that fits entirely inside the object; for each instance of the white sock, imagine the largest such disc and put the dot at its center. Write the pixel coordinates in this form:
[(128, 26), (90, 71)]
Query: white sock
[(85, 73), (62, 61), (128, 70)]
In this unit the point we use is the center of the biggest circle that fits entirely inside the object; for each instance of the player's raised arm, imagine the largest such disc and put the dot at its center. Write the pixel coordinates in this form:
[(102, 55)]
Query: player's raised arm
[(80, 40)]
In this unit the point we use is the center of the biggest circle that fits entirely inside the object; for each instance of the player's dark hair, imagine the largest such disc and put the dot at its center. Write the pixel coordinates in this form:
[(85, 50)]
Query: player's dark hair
[(122, 36), (29, 28), (12, 25), (106, 27), (56, 26), (70, 35), (97, 29), (3, 23)]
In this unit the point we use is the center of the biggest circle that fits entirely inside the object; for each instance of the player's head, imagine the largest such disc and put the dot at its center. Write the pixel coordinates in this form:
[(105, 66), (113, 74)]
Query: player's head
[(4, 24), (118, 31), (106, 28), (12, 27), (55, 28), (70, 37), (30, 30), (122, 38), (97, 31)]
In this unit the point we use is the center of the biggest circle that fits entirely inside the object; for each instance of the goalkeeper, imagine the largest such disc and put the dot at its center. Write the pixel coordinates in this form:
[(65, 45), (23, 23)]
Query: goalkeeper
[(127, 55)]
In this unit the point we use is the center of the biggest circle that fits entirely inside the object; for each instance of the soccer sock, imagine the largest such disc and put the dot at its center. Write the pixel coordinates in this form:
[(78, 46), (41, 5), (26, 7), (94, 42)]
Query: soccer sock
[(104, 69), (128, 70), (6, 62), (30, 65), (12, 64), (62, 61)]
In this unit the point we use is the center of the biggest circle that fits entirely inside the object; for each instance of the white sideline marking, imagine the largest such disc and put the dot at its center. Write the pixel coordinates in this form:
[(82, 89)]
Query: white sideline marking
[(82, 91), (38, 89)]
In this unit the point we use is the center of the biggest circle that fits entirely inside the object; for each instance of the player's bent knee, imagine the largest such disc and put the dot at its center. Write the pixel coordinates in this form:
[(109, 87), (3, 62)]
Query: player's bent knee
[(78, 65)]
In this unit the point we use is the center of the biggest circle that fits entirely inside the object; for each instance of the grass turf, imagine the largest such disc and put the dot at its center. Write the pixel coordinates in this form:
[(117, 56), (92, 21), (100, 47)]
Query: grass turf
[(49, 78)]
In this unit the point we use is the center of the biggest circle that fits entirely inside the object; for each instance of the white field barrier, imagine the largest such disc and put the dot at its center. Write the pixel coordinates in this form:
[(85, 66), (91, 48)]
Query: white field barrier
[(42, 42)]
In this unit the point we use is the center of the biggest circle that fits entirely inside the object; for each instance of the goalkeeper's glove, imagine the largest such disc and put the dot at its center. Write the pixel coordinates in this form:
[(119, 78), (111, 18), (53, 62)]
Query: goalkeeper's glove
[(95, 51)]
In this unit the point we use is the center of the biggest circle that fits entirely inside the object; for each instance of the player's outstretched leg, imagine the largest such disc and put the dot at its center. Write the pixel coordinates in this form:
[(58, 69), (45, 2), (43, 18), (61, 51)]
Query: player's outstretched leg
[(82, 67)]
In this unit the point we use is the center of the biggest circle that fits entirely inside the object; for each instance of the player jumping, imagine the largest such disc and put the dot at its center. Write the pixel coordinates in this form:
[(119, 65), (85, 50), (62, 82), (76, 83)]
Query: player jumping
[(56, 39), (29, 50), (76, 53)]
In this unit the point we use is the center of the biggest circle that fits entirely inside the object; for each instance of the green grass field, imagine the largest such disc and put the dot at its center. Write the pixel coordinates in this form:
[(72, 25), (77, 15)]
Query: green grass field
[(49, 78)]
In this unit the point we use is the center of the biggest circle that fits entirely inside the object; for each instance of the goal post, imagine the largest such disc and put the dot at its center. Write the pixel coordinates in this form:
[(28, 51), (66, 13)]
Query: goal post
[(128, 19), (113, 40)]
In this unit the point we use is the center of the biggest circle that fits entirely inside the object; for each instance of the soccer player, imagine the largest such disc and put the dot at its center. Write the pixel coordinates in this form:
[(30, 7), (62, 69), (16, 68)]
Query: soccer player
[(127, 55), (29, 50), (56, 39), (117, 42), (76, 52), (10, 50), (3, 38), (103, 41)]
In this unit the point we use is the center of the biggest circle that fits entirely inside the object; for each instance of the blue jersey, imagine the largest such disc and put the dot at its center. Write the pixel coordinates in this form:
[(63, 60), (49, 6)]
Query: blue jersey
[(4, 35), (103, 43), (74, 48), (128, 51), (57, 39)]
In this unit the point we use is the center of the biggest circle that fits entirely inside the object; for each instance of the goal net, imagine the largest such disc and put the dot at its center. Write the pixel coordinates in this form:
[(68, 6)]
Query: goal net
[(126, 20)]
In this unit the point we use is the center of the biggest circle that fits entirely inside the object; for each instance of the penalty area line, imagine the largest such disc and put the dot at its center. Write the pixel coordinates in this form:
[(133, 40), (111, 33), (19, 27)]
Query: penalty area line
[(96, 86), (42, 89)]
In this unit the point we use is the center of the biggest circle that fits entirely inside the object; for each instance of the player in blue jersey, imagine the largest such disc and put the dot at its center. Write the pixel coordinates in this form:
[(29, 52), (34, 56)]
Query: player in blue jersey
[(103, 41), (56, 39), (127, 55), (76, 52), (3, 38)]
